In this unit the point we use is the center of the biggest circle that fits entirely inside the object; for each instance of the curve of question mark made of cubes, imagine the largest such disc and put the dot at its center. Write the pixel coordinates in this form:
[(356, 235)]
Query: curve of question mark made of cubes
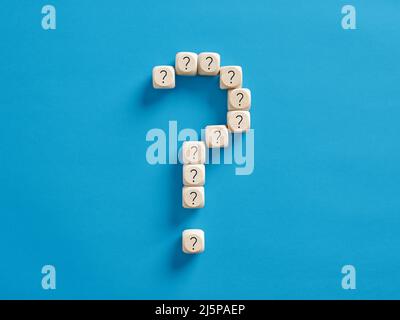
[(216, 136)]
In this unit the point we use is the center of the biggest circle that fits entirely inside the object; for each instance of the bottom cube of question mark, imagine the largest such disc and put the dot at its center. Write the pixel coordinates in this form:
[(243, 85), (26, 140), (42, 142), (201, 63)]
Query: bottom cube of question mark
[(193, 197), (193, 241)]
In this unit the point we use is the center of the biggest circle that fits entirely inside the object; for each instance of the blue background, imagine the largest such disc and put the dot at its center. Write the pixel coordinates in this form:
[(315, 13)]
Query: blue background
[(76, 190)]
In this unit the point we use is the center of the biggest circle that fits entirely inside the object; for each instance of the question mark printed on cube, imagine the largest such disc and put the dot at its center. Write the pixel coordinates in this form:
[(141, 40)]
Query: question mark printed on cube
[(209, 63), (194, 174), (194, 238), (230, 77), (164, 74), (186, 63), (163, 77), (232, 74), (217, 136), (193, 197), (187, 59), (238, 121), (239, 99), (193, 241), (239, 117)]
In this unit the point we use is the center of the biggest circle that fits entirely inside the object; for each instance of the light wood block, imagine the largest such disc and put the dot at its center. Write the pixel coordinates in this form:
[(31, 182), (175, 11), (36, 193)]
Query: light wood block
[(217, 136), (193, 197), (193, 241), (238, 121), (231, 77), (163, 77), (194, 174)]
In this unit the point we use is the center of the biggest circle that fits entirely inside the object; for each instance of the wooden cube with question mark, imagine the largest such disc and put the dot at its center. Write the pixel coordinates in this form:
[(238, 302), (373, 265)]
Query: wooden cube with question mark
[(193, 197), (231, 77), (193, 241), (193, 152), (238, 121), (163, 77), (186, 63), (217, 136), (239, 99), (194, 174), (209, 63)]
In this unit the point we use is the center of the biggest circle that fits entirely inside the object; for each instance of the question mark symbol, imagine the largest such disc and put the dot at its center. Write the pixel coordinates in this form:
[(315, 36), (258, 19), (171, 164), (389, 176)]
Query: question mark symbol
[(219, 136), (195, 241), (233, 74), (188, 60), (195, 196), (242, 96), (211, 61), (165, 74), (240, 121), (195, 173), (195, 151)]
